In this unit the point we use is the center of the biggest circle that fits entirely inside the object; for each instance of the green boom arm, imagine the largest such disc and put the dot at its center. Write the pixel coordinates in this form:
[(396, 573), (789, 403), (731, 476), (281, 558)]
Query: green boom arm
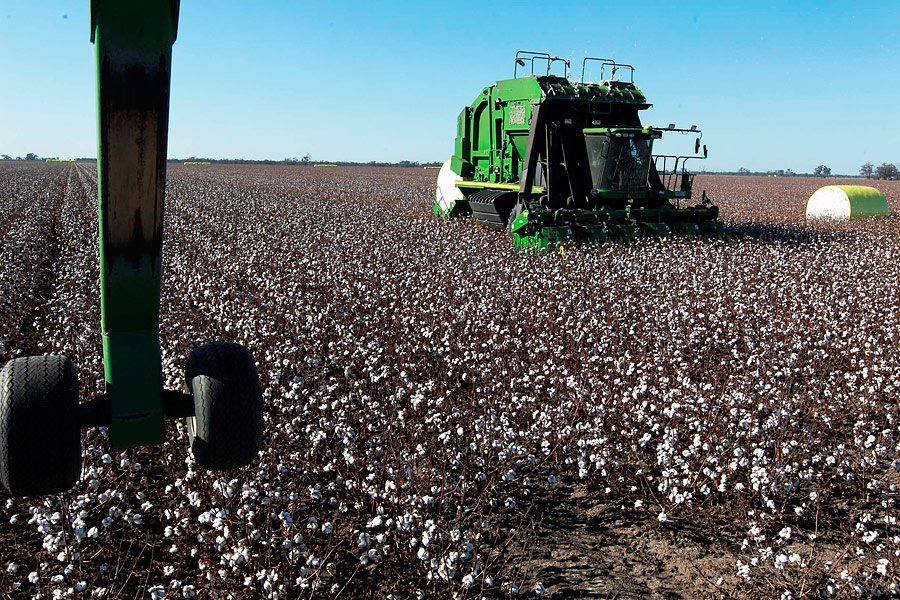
[(133, 41)]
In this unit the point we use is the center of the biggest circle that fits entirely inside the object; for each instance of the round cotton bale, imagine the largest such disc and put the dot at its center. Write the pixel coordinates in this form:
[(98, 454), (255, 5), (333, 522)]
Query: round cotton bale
[(845, 202)]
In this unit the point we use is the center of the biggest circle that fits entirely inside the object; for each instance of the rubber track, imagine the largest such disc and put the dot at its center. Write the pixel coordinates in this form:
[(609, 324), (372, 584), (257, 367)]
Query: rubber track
[(492, 207)]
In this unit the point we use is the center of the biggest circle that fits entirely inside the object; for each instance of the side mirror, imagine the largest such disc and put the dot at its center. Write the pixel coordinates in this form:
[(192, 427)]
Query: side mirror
[(520, 62), (704, 151), (697, 146)]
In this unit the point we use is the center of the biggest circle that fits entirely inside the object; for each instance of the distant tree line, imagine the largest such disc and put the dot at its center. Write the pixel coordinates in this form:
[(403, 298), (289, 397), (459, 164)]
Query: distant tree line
[(820, 171), (306, 161), (303, 162), (29, 156), (868, 170), (33, 156), (882, 171)]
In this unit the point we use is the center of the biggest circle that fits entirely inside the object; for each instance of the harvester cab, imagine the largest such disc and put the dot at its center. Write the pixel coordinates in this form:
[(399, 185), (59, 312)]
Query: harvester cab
[(40, 414), (551, 159)]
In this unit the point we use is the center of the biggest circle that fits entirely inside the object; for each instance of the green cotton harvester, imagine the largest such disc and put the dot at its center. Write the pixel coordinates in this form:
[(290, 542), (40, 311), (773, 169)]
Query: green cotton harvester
[(551, 160)]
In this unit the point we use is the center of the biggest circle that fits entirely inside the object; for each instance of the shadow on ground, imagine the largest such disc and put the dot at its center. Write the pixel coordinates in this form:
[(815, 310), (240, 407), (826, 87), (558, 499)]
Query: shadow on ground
[(583, 545)]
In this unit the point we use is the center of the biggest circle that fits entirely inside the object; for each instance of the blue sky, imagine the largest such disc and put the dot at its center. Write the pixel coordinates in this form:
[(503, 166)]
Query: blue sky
[(772, 84)]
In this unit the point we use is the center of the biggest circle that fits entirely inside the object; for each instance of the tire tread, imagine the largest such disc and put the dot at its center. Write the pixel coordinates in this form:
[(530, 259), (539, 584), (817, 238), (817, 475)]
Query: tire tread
[(40, 441), (228, 421)]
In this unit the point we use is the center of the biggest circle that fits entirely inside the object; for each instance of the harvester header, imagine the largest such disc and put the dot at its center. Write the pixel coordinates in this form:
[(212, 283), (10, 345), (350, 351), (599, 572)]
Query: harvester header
[(551, 159)]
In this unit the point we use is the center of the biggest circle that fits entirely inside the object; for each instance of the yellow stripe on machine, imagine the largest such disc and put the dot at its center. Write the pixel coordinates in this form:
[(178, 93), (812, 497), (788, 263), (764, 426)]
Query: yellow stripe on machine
[(483, 185)]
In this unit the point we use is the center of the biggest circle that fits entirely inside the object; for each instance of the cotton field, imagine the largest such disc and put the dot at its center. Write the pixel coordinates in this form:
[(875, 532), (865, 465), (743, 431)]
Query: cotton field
[(446, 416)]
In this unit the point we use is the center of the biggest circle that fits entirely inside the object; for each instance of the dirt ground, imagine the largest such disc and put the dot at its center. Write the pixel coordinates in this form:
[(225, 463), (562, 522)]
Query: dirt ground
[(583, 547)]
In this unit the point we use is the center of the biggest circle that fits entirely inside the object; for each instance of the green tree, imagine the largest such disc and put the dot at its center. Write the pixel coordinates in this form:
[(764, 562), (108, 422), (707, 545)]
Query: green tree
[(4, 157), (743, 171), (866, 170), (822, 171), (31, 156), (887, 171)]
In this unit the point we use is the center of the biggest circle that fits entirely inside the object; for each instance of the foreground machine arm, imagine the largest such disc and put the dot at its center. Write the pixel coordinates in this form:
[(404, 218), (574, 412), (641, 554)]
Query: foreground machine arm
[(40, 414), (133, 42)]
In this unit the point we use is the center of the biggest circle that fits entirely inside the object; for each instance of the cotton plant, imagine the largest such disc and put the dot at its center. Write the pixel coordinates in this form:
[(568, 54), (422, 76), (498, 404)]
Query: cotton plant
[(426, 385)]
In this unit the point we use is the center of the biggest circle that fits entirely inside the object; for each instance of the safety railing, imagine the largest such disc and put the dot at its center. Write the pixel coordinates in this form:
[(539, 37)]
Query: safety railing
[(608, 63), (524, 56)]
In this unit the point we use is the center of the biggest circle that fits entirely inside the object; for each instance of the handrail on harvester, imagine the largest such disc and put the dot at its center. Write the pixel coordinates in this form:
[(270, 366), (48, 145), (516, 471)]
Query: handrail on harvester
[(666, 175), (523, 55), (669, 178), (604, 62)]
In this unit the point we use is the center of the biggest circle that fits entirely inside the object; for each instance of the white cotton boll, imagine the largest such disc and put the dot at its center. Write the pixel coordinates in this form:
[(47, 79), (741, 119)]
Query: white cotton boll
[(780, 561), (377, 521)]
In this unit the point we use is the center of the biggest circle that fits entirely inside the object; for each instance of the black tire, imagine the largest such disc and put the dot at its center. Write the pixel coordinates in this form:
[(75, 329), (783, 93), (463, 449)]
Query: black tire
[(226, 429), (40, 440)]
